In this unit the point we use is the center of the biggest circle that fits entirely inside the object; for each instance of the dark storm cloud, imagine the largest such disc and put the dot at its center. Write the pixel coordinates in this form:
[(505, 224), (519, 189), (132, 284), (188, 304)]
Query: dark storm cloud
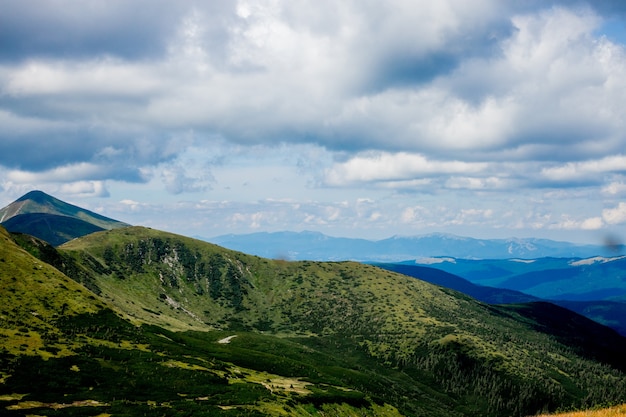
[(37, 153)]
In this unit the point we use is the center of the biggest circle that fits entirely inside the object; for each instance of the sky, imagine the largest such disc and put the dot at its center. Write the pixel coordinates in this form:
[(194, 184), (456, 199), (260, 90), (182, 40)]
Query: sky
[(483, 118)]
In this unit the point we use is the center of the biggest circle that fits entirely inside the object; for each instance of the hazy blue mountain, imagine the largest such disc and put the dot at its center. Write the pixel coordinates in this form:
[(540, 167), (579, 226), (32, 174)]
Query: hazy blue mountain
[(306, 245), (317, 246), (491, 295), (574, 279)]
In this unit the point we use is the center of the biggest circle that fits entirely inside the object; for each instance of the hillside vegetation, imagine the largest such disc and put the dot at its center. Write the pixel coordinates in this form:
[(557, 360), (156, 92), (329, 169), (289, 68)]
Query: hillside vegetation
[(617, 411), (608, 313), (64, 351), (174, 326), (427, 350)]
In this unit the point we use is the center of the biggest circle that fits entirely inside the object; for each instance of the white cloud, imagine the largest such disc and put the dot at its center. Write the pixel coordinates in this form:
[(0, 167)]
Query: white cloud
[(472, 183), (614, 188), (285, 75), (66, 173), (133, 206), (568, 223), (586, 169), (85, 189), (95, 78), (177, 180), (615, 215), (472, 216), (384, 166), (593, 223)]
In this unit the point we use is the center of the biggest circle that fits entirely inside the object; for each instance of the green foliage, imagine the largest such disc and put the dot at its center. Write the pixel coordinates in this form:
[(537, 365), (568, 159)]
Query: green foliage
[(178, 373), (357, 335)]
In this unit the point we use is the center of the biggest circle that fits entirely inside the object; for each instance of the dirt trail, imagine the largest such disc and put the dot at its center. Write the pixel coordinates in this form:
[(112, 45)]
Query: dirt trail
[(226, 339)]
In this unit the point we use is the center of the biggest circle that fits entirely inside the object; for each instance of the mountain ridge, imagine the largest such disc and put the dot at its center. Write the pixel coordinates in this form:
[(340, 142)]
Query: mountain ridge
[(91, 360), (317, 246)]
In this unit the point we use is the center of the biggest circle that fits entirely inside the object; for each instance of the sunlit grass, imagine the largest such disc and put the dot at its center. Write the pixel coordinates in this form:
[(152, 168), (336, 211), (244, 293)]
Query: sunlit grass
[(619, 410)]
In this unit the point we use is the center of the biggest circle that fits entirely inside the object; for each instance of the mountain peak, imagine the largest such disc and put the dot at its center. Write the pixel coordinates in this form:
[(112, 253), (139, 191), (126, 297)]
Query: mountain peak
[(37, 196), (46, 217)]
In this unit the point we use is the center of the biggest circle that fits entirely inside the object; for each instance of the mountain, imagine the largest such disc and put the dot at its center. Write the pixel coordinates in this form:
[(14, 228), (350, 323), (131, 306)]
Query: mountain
[(168, 325), (65, 351), (306, 245), (39, 214), (317, 246), (580, 280), (574, 279), (395, 340), (608, 313), (491, 295)]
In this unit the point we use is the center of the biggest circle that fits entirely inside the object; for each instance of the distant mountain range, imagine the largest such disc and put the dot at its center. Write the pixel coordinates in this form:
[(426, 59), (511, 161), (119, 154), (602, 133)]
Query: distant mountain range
[(317, 246), (41, 215), (574, 279)]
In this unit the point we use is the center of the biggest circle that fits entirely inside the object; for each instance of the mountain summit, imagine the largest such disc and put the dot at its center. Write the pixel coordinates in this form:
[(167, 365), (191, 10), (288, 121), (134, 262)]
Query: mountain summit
[(41, 215)]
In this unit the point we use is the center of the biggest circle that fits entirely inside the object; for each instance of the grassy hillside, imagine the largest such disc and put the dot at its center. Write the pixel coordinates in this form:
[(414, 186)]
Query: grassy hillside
[(34, 295), (619, 410), (64, 351), (608, 313), (424, 349)]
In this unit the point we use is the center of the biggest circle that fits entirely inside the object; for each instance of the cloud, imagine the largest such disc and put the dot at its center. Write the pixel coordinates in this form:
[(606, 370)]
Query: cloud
[(73, 173), (277, 72), (141, 30), (99, 78), (323, 102), (567, 223), (586, 171), (615, 188), (384, 166), (472, 183), (177, 180), (615, 215), (85, 189)]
